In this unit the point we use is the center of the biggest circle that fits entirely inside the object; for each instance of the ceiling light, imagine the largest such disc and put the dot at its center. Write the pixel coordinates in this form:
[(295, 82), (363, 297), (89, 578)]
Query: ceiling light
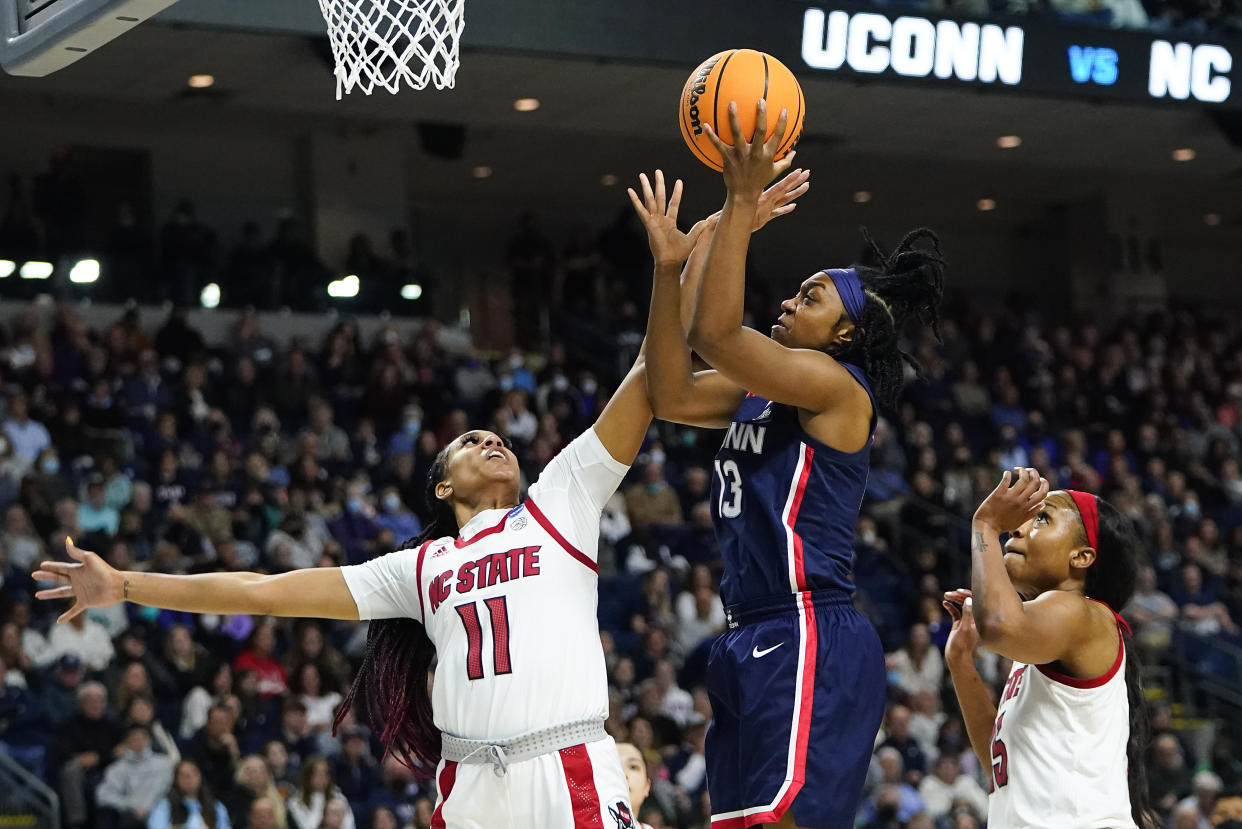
[(36, 270), (862, 196), (609, 180), (1008, 142), (482, 171), (411, 291), (344, 288), (201, 81), (84, 272), (7, 267), (526, 104), (985, 204), (210, 296), (1211, 219), (1184, 154)]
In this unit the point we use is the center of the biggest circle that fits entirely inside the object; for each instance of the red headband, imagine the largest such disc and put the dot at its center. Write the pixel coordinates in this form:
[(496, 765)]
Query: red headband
[(1089, 512)]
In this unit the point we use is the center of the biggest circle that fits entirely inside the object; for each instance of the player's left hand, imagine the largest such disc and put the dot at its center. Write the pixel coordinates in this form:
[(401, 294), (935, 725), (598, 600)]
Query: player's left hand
[(1016, 500), (959, 650), (669, 245), (781, 197), (749, 165)]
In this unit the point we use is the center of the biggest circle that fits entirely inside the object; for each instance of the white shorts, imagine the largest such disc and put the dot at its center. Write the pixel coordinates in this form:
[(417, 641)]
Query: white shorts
[(580, 787)]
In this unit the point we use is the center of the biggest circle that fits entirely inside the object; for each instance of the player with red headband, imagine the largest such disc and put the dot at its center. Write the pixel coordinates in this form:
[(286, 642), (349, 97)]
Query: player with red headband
[(1064, 745)]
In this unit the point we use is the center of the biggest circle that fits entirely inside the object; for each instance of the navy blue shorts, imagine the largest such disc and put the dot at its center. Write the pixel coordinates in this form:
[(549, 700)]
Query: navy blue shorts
[(797, 686)]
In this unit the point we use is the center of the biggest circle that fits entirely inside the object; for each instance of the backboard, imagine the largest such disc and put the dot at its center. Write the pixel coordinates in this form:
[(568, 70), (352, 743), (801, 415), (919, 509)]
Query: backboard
[(38, 37)]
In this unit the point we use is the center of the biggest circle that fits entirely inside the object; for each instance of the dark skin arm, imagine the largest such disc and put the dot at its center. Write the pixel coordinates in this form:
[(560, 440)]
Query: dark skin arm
[(677, 392), (973, 695), (1059, 625)]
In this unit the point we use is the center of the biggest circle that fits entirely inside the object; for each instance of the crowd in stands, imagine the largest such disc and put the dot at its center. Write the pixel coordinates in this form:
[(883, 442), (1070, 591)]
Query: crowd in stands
[(165, 452)]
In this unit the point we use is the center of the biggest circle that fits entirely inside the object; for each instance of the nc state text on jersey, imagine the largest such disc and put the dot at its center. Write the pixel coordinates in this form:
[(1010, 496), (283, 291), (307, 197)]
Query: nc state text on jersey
[(484, 572)]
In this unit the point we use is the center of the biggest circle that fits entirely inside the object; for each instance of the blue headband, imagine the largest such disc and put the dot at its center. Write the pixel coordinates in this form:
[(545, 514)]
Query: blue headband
[(849, 286)]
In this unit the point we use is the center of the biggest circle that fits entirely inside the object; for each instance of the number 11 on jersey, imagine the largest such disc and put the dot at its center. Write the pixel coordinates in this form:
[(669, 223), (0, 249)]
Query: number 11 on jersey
[(498, 606)]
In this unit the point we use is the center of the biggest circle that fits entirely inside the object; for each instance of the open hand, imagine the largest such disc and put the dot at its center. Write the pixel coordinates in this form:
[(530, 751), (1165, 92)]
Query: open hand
[(88, 579), (964, 636), (1009, 507), (749, 165), (669, 245), (780, 198)]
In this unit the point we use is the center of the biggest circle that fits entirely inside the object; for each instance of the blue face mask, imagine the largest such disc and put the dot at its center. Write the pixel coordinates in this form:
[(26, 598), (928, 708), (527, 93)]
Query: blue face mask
[(413, 427), (50, 465), (391, 503), (354, 505)]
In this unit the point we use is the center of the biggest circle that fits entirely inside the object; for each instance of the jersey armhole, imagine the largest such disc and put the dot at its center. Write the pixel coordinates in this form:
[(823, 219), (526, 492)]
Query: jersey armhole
[(573, 551)]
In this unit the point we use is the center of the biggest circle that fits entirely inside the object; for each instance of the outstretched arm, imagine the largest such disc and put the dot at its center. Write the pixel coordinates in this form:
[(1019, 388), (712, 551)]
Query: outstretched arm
[(676, 391), (315, 593)]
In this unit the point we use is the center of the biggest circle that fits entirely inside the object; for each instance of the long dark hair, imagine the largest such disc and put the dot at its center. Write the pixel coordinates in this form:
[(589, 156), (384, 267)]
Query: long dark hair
[(392, 680), (179, 812), (903, 286), (1112, 579)]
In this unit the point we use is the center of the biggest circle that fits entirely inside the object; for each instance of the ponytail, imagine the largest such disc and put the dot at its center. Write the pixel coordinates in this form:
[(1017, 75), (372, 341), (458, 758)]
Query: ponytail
[(392, 680), (1112, 579), (904, 285)]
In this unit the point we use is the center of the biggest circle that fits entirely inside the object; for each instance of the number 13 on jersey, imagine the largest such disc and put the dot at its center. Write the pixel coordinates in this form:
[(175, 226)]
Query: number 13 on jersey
[(730, 488)]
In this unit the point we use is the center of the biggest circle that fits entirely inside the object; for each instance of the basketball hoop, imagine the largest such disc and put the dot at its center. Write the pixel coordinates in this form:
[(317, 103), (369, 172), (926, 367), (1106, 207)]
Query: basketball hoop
[(381, 43)]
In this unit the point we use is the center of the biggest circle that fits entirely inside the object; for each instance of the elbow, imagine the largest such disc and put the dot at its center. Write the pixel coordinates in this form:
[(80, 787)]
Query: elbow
[(705, 339), (994, 629)]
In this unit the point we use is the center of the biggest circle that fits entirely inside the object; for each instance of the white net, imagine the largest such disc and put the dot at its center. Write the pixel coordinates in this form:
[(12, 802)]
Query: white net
[(382, 43)]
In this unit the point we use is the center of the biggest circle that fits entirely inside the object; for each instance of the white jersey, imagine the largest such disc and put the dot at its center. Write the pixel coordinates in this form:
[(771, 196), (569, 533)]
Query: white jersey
[(1059, 751), (510, 604)]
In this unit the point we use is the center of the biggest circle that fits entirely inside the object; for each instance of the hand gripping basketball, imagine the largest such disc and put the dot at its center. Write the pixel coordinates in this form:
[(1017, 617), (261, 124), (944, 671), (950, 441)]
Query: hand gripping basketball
[(749, 165)]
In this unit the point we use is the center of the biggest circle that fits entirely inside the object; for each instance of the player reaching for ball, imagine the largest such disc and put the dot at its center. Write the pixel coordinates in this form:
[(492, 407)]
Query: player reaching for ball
[(1065, 744), (503, 592), (797, 683)]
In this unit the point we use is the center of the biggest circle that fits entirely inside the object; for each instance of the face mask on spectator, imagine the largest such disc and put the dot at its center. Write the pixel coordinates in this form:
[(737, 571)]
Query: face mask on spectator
[(391, 503), (506, 382), (515, 361), (354, 505), (589, 386), (50, 465), (560, 382), (658, 456), (413, 427)]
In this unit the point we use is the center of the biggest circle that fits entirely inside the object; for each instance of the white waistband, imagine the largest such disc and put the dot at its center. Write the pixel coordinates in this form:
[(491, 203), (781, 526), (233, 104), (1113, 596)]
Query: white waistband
[(528, 746)]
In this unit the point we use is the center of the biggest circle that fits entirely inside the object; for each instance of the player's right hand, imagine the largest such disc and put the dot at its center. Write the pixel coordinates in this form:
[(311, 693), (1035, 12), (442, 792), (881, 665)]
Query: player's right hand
[(88, 579), (780, 198), (959, 651), (750, 165), (669, 245)]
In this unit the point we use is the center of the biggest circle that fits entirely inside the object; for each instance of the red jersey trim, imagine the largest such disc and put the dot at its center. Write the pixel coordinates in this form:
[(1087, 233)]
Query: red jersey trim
[(538, 515), (418, 576), (500, 525), (580, 782), (1091, 682), (448, 777)]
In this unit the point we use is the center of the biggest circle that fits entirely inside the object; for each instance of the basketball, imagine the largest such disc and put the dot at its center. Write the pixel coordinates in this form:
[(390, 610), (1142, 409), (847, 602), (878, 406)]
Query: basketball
[(745, 76)]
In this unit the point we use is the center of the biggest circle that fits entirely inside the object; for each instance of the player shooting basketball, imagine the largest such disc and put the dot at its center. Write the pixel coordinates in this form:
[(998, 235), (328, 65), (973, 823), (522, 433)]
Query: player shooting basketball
[(797, 683), (1065, 744)]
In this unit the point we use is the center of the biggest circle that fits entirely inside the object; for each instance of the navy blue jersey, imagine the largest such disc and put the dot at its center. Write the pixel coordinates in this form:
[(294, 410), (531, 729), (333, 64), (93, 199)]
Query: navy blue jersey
[(785, 505)]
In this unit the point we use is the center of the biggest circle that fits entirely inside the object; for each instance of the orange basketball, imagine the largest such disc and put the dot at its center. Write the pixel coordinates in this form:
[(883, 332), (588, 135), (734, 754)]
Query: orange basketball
[(745, 76)]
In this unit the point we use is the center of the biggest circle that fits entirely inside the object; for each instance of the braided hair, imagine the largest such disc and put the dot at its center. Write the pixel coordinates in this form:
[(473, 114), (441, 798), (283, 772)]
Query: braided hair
[(902, 286), (392, 680)]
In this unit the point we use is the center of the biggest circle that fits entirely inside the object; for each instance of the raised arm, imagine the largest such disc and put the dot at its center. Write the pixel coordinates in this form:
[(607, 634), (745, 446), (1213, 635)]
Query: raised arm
[(805, 378), (973, 695), (315, 593), (676, 391)]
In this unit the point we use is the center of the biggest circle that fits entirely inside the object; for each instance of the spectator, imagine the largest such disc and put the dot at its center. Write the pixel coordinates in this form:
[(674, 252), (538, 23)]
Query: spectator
[(354, 770), (141, 711), (1152, 615), (316, 792), (395, 517), (29, 437), (941, 790), (213, 750), (94, 513), (252, 784), (897, 729), (84, 638), (917, 666), (318, 694), (894, 800), (189, 803), (1168, 778), (83, 748), (1205, 789), (652, 502), (135, 781), (258, 657), (201, 698)]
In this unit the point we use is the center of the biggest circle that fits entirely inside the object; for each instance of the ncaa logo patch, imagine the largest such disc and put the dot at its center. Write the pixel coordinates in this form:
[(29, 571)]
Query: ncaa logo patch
[(622, 815)]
